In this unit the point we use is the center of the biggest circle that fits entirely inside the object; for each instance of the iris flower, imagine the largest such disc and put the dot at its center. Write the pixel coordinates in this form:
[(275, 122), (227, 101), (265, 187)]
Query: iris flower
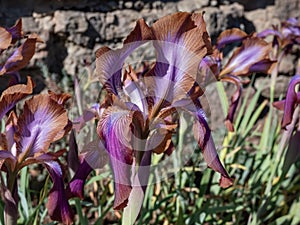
[(137, 117), (253, 56), (26, 140)]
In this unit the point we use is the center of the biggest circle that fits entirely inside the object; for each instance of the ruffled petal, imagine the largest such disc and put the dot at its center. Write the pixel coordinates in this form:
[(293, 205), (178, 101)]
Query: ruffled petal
[(39, 124), (57, 205), (13, 94)]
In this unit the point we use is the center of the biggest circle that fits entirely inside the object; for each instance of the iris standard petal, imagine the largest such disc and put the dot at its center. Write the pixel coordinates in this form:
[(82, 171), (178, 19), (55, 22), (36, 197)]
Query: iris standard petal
[(39, 124), (109, 63), (58, 206), (181, 41)]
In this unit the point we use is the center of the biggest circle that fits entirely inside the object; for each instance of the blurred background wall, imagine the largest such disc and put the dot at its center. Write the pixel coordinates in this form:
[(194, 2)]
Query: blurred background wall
[(72, 30)]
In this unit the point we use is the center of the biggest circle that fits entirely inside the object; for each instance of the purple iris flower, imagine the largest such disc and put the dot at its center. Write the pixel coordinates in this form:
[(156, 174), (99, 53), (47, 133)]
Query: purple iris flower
[(137, 116), (26, 140)]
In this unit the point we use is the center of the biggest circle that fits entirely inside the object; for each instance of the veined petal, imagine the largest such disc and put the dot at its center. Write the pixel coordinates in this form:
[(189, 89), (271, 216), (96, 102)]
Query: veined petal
[(13, 94), (57, 205), (20, 58), (109, 62), (203, 136), (269, 32), (252, 51), (230, 36), (59, 98), (181, 41), (5, 39), (39, 124), (114, 128)]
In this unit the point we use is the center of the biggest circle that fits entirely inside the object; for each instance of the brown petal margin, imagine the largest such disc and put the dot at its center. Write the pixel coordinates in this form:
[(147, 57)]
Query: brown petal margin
[(20, 58), (13, 94), (39, 124)]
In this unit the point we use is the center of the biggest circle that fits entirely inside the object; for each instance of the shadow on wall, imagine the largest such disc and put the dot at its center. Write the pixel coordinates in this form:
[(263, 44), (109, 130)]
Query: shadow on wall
[(252, 4), (57, 52)]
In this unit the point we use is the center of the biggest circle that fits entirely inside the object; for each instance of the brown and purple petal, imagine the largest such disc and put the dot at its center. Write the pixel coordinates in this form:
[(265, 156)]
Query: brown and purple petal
[(5, 39), (42, 119), (16, 31), (252, 51), (114, 128), (109, 63), (181, 42), (230, 36), (203, 136), (21, 57), (291, 101), (58, 206), (13, 94)]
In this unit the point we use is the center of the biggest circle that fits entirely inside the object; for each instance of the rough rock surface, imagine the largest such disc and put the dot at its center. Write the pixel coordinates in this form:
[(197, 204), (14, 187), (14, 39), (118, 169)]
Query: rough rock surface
[(73, 30)]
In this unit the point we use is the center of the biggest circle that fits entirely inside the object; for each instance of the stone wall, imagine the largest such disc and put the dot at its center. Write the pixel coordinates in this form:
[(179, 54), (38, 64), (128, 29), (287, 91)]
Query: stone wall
[(72, 30)]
